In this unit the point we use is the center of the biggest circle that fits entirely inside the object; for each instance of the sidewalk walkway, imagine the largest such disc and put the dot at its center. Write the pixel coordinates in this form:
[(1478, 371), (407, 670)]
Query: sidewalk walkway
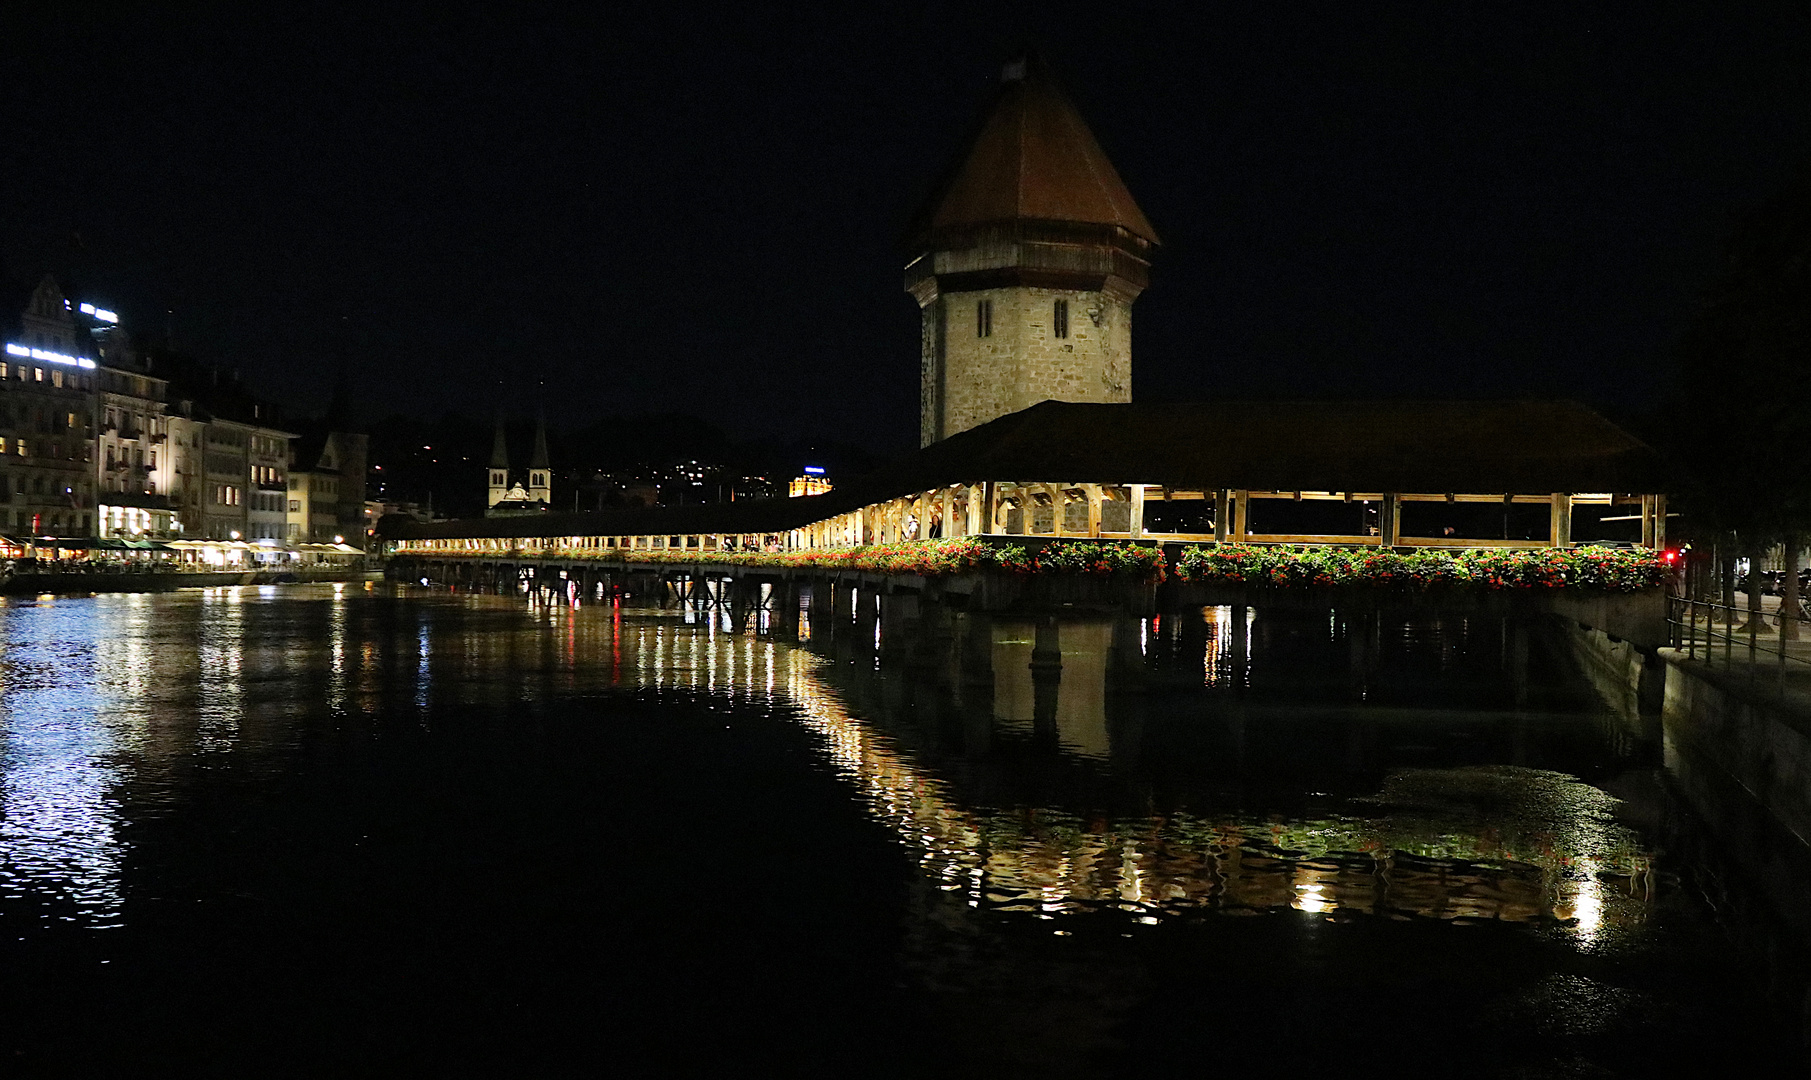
[(1750, 664)]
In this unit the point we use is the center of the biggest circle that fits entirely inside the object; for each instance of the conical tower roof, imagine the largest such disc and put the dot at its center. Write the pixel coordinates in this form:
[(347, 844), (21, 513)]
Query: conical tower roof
[(1033, 157)]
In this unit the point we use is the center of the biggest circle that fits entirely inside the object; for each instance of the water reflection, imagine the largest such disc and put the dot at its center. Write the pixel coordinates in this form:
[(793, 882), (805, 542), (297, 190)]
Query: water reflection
[(464, 792), (60, 843), (946, 726), (105, 700), (1214, 761)]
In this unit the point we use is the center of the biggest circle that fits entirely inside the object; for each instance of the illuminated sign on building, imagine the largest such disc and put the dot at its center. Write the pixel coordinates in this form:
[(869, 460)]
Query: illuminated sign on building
[(814, 470), (100, 313), (48, 356)]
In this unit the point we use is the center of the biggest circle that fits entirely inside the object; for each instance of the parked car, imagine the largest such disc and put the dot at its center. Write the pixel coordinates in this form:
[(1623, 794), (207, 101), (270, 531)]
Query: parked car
[(1773, 582)]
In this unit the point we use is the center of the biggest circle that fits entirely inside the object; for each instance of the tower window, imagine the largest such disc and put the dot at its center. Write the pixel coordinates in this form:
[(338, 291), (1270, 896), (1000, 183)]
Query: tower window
[(1060, 319), (984, 318)]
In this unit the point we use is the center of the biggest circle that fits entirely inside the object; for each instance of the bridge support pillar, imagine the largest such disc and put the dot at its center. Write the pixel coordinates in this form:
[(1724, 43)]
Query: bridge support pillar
[(783, 615), (898, 626), (1518, 661), (1125, 670), (822, 615), (1046, 681), (867, 616), (1241, 646)]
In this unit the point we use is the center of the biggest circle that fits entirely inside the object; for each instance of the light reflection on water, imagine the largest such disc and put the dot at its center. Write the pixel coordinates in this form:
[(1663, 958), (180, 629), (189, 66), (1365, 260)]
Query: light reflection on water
[(60, 842), (81, 678), (1549, 851)]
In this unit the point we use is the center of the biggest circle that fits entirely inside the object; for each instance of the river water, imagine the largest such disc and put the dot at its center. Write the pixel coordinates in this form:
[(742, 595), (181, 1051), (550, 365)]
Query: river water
[(351, 829)]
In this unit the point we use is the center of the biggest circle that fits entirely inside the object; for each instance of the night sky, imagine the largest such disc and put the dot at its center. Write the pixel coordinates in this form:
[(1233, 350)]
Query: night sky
[(665, 207)]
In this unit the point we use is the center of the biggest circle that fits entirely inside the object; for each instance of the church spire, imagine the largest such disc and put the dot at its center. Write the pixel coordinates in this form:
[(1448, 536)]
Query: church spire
[(539, 460), (540, 471), (499, 449), (499, 467)]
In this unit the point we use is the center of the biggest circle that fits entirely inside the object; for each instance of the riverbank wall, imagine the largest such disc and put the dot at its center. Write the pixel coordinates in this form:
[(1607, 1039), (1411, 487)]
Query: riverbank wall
[(1749, 728), (66, 584), (1735, 747)]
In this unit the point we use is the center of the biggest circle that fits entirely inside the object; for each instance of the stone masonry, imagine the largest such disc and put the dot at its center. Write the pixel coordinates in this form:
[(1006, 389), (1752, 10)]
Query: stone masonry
[(971, 378)]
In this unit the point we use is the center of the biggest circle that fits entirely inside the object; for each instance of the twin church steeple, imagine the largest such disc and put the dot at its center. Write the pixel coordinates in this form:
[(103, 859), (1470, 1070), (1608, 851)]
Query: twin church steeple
[(508, 494), (1025, 262)]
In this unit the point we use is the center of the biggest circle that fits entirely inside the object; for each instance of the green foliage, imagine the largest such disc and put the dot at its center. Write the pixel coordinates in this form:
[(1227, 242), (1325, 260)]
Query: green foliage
[(934, 558), (1606, 569), (1598, 568)]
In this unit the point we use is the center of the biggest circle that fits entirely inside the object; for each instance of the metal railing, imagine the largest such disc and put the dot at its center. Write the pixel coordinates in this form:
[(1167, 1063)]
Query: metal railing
[(1703, 629)]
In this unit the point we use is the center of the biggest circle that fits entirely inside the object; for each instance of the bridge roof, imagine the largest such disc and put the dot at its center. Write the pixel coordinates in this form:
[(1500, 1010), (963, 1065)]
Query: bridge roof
[(1423, 447), (1473, 447)]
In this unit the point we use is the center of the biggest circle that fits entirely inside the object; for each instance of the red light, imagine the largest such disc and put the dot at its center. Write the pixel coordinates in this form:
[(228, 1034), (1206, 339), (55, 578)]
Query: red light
[(1670, 555)]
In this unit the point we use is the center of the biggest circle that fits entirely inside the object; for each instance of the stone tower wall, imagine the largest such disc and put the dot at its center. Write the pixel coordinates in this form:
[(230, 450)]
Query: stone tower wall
[(970, 379)]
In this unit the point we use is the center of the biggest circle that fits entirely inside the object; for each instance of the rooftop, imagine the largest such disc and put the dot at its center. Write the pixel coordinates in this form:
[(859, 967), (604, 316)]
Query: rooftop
[(1032, 158)]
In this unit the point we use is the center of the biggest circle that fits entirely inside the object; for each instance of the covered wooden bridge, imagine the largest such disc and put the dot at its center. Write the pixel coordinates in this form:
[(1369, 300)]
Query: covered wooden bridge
[(1395, 474)]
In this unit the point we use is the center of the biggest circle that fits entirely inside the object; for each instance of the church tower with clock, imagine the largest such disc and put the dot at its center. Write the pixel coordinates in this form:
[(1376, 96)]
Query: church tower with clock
[(1025, 262)]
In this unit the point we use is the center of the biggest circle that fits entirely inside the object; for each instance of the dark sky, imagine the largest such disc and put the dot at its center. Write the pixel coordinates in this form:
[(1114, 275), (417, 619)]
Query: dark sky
[(664, 206)]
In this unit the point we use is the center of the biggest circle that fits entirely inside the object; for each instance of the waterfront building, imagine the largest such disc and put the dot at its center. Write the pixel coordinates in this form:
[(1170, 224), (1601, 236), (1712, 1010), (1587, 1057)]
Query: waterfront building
[(811, 482), (1025, 262), (47, 375), (134, 457), (187, 474), (226, 467), (227, 459), (326, 485), (265, 494)]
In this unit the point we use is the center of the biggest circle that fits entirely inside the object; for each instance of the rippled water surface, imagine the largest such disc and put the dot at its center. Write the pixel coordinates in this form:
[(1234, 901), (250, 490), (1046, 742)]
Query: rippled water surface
[(345, 829)]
